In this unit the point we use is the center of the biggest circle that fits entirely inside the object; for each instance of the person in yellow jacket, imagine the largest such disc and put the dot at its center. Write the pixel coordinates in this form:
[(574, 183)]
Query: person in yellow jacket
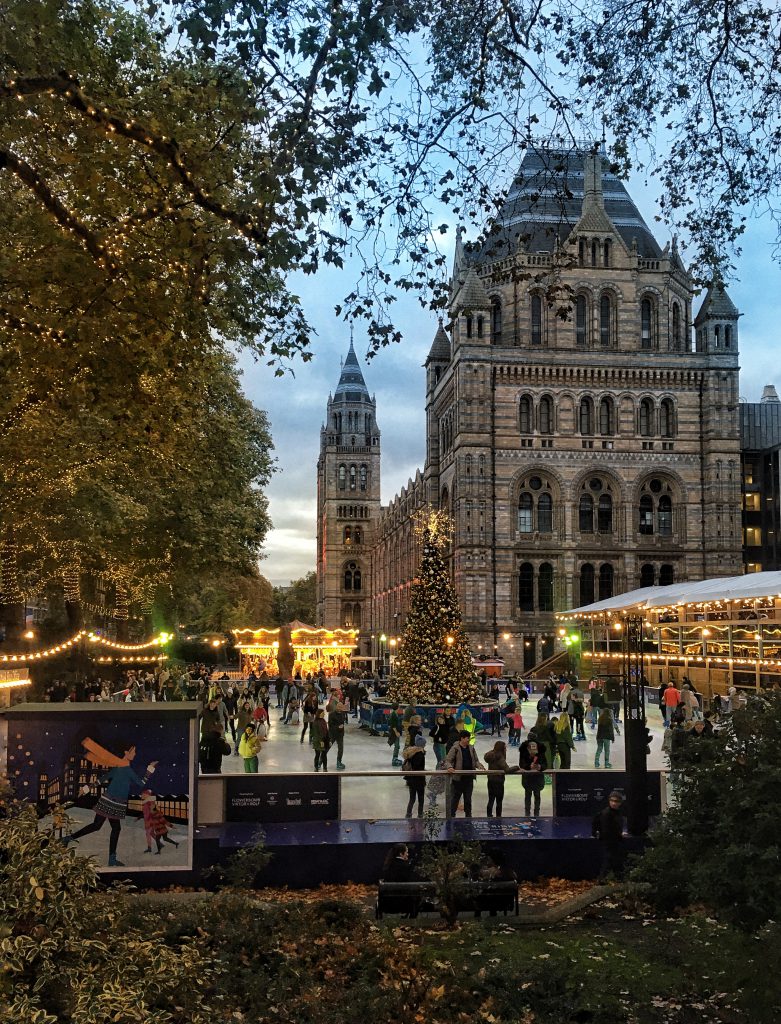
[(249, 745)]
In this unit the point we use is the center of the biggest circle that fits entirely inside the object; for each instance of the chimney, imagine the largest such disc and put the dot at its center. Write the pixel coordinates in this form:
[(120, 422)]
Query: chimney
[(592, 185), (769, 394)]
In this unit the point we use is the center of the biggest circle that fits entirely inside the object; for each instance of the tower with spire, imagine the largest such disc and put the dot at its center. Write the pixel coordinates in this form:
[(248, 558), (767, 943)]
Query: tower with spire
[(348, 501)]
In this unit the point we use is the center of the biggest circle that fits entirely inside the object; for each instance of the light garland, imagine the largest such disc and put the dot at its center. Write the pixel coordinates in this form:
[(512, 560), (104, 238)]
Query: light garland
[(160, 639)]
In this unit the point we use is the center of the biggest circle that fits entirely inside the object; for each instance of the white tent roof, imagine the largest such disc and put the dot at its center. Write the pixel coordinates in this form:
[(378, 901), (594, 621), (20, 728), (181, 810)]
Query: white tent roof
[(751, 586)]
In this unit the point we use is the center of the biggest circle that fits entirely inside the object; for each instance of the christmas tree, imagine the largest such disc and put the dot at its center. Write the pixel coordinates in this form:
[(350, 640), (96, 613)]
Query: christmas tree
[(434, 664)]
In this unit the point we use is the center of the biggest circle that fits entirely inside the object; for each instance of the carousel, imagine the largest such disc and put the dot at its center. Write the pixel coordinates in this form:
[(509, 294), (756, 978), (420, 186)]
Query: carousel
[(311, 650)]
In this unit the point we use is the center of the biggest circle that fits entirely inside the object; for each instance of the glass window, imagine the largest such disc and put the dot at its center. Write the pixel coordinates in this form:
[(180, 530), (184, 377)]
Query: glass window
[(525, 513), (646, 524), (545, 588), (594, 253), (581, 318), (676, 326), (545, 514), (727, 336), (546, 415), (665, 516), (352, 577), (586, 514), (587, 584), (479, 327), (525, 414), (469, 327), (348, 535), (646, 313), (646, 418), (606, 252), (605, 581), (363, 477), (586, 416), (526, 587), (496, 321), (666, 418), (342, 477), (536, 311), (357, 535), (666, 575), (581, 252), (606, 418), (647, 575), (605, 514), (605, 327)]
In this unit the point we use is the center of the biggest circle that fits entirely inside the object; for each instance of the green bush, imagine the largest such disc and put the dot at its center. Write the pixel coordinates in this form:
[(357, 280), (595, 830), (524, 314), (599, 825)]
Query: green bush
[(720, 843)]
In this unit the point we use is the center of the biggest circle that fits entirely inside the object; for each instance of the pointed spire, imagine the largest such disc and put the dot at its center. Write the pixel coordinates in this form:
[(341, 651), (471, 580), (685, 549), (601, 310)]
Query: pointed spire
[(717, 305), (440, 347), (471, 295), (351, 386)]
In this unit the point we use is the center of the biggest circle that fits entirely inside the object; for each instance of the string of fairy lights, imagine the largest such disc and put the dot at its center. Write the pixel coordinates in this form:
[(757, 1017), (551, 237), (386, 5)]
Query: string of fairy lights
[(93, 638)]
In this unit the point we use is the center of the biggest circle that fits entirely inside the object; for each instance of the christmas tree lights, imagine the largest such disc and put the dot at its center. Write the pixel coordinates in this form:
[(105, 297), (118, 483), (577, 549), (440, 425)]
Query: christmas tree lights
[(434, 663)]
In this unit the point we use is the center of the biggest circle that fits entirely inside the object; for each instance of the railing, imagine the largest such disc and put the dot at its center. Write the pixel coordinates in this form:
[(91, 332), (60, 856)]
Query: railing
[(266, 798)]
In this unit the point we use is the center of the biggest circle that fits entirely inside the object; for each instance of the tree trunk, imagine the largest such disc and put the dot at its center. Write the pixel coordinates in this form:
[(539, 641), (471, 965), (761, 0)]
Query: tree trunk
[(75, 615)]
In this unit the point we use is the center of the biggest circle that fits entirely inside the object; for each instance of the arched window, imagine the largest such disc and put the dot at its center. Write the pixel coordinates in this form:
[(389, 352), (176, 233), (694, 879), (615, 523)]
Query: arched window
[(594, 252), (342, 477), (352, 577), (357, 535), (605, 581), (363, 477), (586, 416), (496, 321), (546, 415), (717, 335), (676, 327), (647, 575), (666, 575), (356, 616), (545, 588), (587, 584), (605, 324), (581, 252), (605, 514), (525, 414), (347, 616), (545, 513), (525, 513), (526, 587), (606, 417), (727, 336), (646, 418), (586, 514), (348, 534), (581, 321), (667, 418), (353, 478), (664, 519), (606, 252), (469, 327), (444, 499), (646, 321), (536, 313), (646, 525)]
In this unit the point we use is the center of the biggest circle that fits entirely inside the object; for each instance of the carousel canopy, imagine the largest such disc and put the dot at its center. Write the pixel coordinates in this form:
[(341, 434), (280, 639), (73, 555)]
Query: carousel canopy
[(750, 587)]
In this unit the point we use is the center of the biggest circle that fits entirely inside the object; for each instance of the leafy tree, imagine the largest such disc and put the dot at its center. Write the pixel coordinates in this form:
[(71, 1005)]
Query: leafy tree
[(296, 601), (230, 602), (719, 843), (434, 664)]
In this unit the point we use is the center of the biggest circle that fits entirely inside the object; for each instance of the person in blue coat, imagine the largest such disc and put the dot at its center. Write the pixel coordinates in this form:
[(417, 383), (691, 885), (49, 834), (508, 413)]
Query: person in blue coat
[(116, 783)]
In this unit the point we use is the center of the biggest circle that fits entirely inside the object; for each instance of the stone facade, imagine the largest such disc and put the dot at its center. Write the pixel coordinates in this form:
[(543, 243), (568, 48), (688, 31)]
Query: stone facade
[(582, 444)]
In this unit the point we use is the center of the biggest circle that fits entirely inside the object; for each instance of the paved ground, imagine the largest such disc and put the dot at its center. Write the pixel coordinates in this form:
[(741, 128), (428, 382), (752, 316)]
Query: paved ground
[(385, 796)]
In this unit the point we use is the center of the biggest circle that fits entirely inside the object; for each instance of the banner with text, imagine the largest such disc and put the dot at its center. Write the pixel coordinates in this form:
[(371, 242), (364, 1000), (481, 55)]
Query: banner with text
[(290, 798), (586, 793)]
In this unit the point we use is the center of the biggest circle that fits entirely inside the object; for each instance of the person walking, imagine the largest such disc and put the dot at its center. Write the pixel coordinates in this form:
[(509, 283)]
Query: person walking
[(672, 698), (415, 765), (310, 707), (605, 736), (564, 743), (496, 763), (249, 746), (462, 757), (608, 828), (337, 719), (532, 762), (321, 740), (395, 726), (577, 711), (439, 733)]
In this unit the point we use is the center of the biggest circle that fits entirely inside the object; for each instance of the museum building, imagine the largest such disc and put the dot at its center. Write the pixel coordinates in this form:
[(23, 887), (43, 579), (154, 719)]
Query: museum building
[(582, 427)]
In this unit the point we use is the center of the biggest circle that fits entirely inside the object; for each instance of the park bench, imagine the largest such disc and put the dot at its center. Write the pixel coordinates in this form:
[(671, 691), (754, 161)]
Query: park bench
[(412, 898)]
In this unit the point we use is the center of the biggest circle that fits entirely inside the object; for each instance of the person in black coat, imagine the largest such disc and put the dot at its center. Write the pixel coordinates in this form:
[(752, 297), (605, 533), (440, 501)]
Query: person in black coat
[(608, 828), (397, 867), (532, 762)]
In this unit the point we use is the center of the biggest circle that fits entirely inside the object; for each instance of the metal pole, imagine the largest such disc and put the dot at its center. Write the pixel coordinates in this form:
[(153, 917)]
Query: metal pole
[(635, 742)]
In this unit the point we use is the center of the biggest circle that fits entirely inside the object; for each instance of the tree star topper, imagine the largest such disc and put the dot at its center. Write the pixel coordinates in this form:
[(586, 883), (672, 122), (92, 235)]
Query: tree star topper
[(434, 525)]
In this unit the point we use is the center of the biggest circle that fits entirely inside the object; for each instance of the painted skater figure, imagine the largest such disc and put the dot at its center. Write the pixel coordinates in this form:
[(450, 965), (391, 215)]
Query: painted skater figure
[(116, 783), (155, 823)]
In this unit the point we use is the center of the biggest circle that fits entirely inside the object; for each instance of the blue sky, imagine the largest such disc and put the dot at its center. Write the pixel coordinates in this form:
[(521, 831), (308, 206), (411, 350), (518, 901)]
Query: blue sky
[(296, 403)]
